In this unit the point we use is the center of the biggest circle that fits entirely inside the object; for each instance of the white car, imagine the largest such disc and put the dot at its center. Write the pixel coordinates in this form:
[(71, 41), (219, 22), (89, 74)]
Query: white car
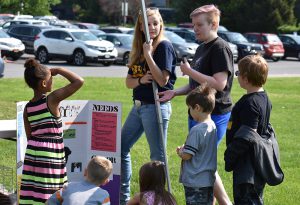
[(73, 45), (11, 23), (11, 47)]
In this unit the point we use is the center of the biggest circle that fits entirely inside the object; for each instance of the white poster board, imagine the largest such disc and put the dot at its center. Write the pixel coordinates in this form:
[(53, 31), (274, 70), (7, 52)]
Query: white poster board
[(90, 128)]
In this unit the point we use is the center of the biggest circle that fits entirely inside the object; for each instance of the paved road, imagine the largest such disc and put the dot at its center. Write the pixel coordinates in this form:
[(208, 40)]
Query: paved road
[(15, 69)]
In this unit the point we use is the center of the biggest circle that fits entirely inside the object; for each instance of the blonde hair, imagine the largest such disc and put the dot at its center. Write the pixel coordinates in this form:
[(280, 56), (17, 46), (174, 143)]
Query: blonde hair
[(136, 53), (212, 12), (255, 69), (98, 170)]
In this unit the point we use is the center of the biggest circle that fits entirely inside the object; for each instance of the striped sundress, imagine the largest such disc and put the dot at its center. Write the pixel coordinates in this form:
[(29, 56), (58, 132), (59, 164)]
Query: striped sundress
[(44, 170)]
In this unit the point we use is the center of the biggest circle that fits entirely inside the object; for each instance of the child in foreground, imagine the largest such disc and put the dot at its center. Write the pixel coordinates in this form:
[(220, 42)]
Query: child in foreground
[(152, 186), (87, 191), (199, 153)]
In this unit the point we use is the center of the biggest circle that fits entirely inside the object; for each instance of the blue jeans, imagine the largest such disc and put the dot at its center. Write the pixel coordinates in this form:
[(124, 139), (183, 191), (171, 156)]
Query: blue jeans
[(141, 119), (221, 122)]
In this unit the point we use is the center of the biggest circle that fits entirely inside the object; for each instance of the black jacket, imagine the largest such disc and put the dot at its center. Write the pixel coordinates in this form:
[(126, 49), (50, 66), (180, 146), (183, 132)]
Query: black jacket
[(253, 158)]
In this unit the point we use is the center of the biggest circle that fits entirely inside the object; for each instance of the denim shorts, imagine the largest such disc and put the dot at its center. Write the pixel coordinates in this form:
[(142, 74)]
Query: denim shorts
[(199, 195)]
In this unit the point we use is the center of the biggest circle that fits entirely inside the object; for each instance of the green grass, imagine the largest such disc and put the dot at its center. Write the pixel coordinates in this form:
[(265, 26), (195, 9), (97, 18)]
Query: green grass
[(283, 92)]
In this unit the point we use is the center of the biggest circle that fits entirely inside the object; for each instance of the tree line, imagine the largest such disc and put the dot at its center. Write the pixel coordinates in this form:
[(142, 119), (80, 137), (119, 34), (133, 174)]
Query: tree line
[(241, 15)]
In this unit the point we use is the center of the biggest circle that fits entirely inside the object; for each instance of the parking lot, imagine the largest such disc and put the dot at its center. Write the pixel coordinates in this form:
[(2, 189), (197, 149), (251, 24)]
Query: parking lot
[(15, 69)]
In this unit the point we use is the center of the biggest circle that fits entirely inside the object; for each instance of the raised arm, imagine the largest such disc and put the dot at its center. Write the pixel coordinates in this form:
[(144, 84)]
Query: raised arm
[(160, 76), (60, 94), (133, 82)]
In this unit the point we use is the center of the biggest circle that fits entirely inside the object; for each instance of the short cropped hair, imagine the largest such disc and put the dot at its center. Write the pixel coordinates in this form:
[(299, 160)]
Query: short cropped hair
[(255, 69), (212, 11), (204, 96), (99, 169)]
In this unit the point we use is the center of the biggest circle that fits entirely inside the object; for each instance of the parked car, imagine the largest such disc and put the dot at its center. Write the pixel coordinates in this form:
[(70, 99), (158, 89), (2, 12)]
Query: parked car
[(47, 18), (271, 43), (291, 45), (182, 48), (96, 32), (7, 25), (244, 46), (187, 34), (63, 24), (10, 47), (73, 45), (5, 17), (1, 66), (123, 43), (27, 34), (116, 29), (87, 25), (22, 17), (234, 50)]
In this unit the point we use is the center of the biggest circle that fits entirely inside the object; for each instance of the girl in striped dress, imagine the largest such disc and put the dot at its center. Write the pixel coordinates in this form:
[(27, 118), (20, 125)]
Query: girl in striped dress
[(44, 169)]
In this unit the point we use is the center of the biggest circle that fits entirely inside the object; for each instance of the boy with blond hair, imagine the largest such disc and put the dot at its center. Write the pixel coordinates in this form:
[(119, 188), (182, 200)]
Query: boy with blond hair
[(87, 191), (249, 120)]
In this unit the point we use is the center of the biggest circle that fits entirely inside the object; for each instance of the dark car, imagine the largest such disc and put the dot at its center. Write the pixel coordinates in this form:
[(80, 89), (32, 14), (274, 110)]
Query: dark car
[(244, 46), (181, 47), (87, 25), (27, 34), (291, 45), (187, 34), (117, 29)]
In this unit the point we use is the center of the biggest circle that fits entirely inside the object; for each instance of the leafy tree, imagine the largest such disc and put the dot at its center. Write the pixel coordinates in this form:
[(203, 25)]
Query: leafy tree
[(184, 8), (297, 12), (244, 15), (256, 15), (86, 11), (32, 7)]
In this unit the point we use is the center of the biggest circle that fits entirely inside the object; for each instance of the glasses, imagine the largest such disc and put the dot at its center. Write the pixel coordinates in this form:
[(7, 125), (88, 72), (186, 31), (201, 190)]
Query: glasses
[(237, 73)]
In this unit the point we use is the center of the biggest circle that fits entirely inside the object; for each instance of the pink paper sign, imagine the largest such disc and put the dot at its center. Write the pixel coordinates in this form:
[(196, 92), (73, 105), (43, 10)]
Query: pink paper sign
[(104, 131)]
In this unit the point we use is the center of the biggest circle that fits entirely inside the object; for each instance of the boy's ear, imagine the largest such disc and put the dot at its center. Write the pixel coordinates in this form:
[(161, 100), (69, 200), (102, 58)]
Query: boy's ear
[(245, 79), (44, 83), (198, 108)]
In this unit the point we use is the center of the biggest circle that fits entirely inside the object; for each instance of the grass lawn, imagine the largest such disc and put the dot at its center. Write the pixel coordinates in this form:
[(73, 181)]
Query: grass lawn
[(283, 92)]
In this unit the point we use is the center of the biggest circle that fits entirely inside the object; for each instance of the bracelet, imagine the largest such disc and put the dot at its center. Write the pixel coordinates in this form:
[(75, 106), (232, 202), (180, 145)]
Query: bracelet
[(139, 81)]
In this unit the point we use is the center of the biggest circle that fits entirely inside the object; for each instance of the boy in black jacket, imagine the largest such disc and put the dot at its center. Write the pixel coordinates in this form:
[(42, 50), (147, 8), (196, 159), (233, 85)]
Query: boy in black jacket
[(252, 112)]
